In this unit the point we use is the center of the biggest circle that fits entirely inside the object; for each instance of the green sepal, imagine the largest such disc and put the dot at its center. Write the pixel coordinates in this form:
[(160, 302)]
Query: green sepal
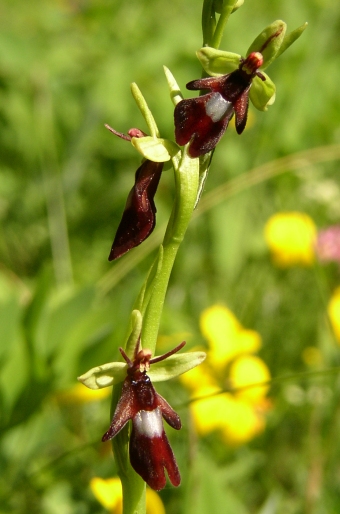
[(144, 109), (114, 372), (175, 92), (217, 62), (268, 43), (175, 365), (262, 93), (290, 38), (155, 149), (104, 376)]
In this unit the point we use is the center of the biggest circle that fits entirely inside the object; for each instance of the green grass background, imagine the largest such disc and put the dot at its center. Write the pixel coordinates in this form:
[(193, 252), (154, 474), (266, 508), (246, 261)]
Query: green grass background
[(65, 70)]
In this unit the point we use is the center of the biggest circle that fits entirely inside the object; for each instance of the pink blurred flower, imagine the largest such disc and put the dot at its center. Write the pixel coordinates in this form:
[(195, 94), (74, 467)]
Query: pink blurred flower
[(327, 245)]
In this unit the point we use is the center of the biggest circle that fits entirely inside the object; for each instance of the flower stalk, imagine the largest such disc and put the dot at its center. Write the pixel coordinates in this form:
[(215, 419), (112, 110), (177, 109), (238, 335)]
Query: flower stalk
[(143, 453)]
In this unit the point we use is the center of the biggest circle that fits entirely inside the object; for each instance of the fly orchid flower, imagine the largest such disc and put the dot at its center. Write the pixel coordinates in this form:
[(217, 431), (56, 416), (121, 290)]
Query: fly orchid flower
[(202, 121), (149, 449), (139, 216)]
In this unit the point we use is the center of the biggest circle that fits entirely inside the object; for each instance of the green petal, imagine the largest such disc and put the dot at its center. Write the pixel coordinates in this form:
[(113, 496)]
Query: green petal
[(290, 38), (175, 365), (217, 62), (155, 149), (268, 43), (262, 93), (103, 376)]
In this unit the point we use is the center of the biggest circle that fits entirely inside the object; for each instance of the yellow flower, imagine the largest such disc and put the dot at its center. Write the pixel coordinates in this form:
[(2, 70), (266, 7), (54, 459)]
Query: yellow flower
[(154, 504), (248, 370), (80, 394), (237, 416), (334, 312), (291, 238), (109, 494), (225, 335)]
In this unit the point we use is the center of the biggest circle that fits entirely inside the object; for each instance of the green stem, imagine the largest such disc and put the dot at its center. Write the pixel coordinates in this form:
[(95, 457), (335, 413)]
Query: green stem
[(186, 178), (222, 21), (208, 22), (150, 302), (133, 485)]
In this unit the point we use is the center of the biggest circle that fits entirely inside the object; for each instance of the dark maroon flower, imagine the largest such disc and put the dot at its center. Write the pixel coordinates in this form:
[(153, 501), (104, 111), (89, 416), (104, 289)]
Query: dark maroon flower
[(139, 216), (203, 120), (149, 448)]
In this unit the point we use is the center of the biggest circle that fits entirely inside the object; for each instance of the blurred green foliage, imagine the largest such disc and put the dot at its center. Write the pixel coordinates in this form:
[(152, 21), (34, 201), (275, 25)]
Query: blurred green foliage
[(65, 70)]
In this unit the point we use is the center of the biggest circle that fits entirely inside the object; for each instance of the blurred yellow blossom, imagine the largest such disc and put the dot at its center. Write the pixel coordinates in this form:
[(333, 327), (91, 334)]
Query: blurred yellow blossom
[(80, 394), (239, 415), (109, 494), (154, 504), (246, 371), (291, 238), (334, 312), (225, 335)]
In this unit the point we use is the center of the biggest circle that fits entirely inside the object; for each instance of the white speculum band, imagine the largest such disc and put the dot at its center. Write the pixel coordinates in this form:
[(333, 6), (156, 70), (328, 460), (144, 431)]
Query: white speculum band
[(149, 423), (217, 107)]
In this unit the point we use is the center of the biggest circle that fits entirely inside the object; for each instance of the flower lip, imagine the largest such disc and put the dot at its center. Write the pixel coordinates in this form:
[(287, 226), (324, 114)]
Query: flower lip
[(139, 216), (149, 449)]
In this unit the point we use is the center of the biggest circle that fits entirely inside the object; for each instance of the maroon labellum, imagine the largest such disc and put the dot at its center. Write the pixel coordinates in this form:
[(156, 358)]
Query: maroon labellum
[(139, 216), (202, 121), (149, 448)]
